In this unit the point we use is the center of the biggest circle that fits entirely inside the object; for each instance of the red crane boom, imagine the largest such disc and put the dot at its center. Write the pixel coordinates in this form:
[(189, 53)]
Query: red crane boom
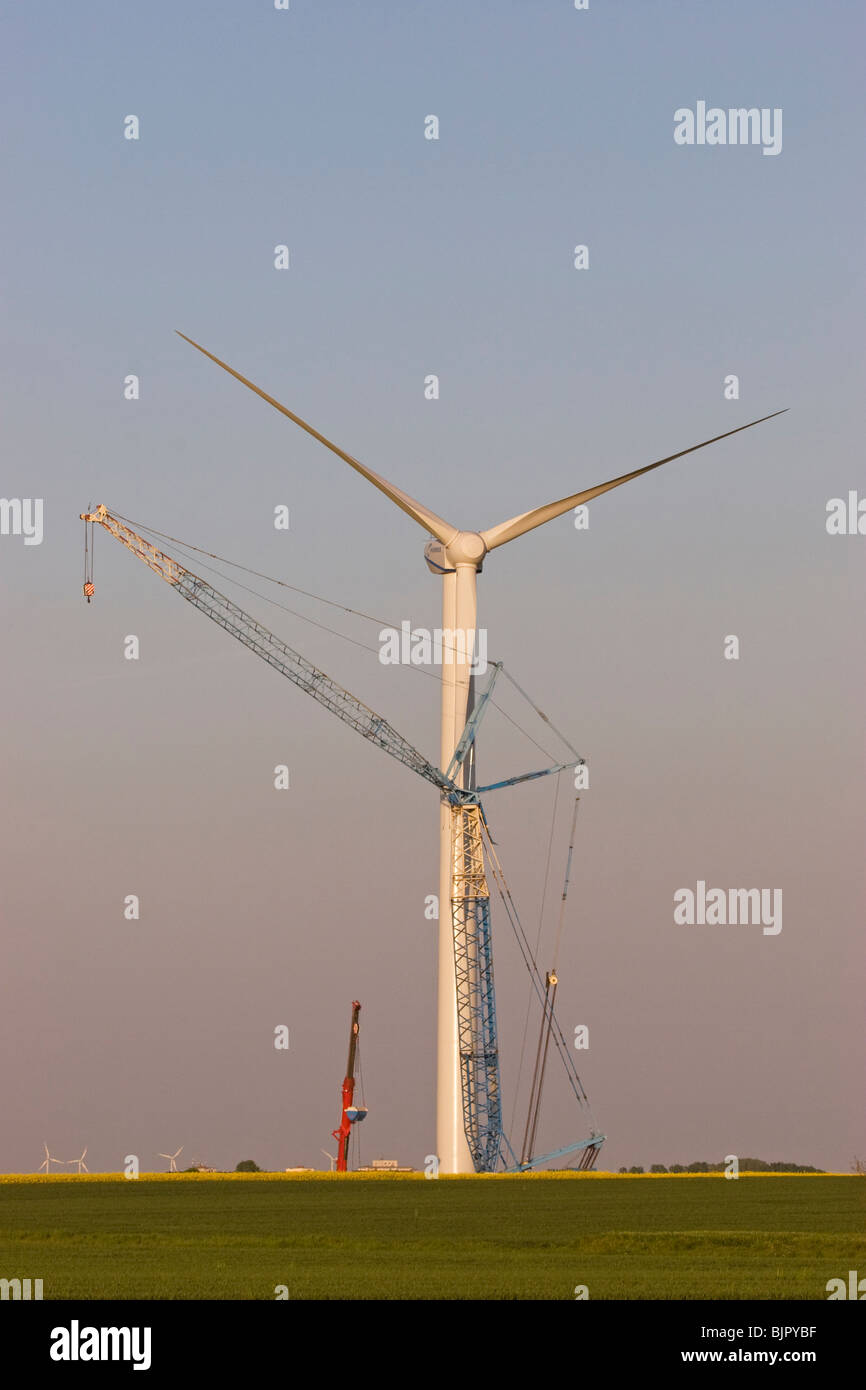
[(342, 1134)]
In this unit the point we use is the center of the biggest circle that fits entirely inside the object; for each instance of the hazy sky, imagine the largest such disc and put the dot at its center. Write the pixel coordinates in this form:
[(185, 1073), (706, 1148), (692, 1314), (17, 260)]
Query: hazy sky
[(409, 257)]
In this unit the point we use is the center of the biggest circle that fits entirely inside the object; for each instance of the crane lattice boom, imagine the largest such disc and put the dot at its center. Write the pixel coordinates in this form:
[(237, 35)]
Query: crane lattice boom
[(272, 649)]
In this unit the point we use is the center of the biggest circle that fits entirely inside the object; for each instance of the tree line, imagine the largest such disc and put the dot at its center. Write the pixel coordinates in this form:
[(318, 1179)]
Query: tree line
[(746, 1165)]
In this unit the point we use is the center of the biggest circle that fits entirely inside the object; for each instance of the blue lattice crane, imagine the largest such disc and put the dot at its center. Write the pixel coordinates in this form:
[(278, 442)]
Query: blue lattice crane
[(469, 893)]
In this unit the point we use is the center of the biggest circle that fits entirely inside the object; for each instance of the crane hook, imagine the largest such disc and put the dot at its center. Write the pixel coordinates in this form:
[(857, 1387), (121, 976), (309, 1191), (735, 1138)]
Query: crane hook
[(88, 558)]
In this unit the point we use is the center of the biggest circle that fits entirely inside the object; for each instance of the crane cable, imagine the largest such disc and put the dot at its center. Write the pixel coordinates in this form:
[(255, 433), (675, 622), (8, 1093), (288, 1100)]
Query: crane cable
[(186, 546), (354, 612), (537, 944), (534, 973), (360, 1071), (283, 584), (354, 1130), (565, 884), (540, 712), (551, 982)]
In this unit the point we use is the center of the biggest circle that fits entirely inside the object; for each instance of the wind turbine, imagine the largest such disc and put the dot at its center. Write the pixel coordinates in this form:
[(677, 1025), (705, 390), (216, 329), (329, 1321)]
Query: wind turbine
[(332, 1157), (458, 556), (172, 1164), (82, 1166), (48, 1160)]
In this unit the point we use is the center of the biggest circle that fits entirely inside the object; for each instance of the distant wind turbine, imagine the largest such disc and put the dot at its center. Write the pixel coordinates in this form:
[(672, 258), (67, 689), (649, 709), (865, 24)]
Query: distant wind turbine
[(332, 1157), (48, 1160), (457, 556), (82, 1166), (172, 1165)]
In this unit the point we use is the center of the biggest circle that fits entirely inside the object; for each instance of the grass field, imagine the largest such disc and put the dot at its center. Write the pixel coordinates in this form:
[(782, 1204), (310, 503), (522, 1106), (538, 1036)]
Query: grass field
[(215, 1237)]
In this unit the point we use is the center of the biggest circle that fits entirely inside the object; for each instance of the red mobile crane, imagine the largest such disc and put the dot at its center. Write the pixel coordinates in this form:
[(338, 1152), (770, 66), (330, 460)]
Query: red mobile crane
[(351, 1113)]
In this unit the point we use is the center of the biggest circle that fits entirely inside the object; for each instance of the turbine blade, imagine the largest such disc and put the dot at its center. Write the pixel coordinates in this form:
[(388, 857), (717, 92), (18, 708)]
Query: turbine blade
[(519, 525), (441, 529)]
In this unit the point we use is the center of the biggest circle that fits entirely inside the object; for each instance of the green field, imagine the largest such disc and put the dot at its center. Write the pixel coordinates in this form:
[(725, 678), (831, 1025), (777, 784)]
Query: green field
[(207, 1237)]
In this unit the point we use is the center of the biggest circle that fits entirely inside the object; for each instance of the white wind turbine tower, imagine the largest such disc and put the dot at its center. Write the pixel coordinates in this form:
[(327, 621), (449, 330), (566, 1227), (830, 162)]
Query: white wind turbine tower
[(172, 1159), (332, 1157), (82, 1166), (48, 1160), (458, 557)]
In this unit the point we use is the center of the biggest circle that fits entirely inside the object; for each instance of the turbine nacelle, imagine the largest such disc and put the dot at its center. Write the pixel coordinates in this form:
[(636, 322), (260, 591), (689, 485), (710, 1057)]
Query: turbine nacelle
[(467, 548)]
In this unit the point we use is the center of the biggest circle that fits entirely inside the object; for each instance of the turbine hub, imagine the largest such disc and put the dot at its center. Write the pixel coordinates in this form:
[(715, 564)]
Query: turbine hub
[(467, 548)]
